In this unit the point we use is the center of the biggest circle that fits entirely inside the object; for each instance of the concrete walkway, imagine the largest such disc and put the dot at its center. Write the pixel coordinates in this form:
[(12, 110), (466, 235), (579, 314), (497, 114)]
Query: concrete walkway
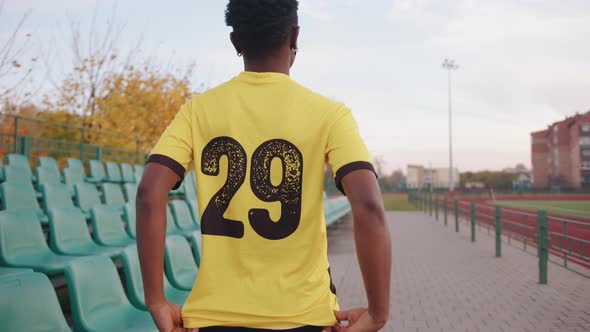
[(443, 282)]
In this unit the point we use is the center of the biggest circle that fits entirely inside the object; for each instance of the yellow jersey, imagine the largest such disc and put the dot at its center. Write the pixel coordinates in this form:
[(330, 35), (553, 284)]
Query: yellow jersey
[(258, 144)]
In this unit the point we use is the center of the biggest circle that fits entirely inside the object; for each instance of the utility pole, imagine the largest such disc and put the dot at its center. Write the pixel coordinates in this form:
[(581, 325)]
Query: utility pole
[(450, 65)]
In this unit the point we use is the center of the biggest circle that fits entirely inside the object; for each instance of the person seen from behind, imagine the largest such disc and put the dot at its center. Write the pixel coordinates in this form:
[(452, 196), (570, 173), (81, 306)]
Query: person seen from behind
[(258, 144)]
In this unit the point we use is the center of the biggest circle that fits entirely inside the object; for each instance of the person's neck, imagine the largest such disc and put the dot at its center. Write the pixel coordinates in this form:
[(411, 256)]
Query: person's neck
[(270, 64)]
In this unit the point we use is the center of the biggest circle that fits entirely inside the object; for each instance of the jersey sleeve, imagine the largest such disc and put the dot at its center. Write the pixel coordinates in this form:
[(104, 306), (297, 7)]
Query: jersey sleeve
[(175, 147), (346, 152)]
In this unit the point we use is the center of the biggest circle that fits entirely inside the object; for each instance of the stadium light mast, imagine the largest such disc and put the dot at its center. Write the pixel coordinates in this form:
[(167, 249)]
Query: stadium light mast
[(450, 65)]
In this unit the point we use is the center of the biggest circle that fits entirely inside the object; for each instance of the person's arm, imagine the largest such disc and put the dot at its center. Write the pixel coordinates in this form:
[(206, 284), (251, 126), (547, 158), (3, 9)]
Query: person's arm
[(152, 197), (372, 239)]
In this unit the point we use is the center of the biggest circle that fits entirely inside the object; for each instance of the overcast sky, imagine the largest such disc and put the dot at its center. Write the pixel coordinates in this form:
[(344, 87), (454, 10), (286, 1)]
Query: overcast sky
[(523, 64)]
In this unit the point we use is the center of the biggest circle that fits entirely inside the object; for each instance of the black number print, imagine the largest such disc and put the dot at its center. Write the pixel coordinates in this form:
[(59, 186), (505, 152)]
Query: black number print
[(212, 221), (288, 192)]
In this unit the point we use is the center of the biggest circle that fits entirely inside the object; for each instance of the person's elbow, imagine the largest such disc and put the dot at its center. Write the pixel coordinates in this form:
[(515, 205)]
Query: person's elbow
[(148, 195), (369, 207)]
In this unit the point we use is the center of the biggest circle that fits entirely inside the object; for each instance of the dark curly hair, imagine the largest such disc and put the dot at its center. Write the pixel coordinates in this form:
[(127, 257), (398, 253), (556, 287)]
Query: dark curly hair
[(261, 25)]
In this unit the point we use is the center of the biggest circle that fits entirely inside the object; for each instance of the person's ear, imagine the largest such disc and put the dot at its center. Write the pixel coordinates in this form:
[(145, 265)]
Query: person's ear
[(294, 37), (235, 43)]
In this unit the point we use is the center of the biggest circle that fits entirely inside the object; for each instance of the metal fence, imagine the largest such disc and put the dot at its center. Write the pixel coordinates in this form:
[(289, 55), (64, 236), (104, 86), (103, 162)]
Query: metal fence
[(35, 138), (559, 240)]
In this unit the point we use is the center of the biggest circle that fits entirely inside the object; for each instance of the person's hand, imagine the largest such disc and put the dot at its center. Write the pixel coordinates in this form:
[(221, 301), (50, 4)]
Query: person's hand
[(359, 320), (167, 317)]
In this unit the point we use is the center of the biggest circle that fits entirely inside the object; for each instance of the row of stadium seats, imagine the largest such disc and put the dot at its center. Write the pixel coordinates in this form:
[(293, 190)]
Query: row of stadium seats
[(114, 172), (18, 170), (97, 296)]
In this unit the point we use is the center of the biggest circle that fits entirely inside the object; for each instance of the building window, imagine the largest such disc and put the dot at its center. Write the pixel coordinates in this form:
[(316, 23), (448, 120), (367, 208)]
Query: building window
[(585, 128), (585, 165), (586, 153), (585, 140)]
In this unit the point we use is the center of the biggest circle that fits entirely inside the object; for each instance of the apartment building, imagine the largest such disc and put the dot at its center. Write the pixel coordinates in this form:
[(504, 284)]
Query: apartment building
[(560, 154), (420, 177)]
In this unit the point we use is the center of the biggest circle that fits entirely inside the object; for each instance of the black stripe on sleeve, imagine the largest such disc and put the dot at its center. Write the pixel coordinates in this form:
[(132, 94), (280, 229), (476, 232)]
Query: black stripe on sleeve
[(350, 167), (174, 165)]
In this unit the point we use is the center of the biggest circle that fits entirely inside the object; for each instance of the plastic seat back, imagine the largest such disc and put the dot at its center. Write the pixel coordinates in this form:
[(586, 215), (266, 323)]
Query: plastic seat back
[(28, 303), (17, 196), (97, 170), (190, 188), (68, 230), (4, 271), (171, 227), (127, 173), (15, 159), (74, 163), (96, 293), (47, 175), (182, 215), (20, 235), (73, 176), (181, 267), (113, 171), (56, 195), (86, 196), (193, 205), (112, 194), (129, 217), (17, 174), (130, 191), (108, 226), (48, 162)]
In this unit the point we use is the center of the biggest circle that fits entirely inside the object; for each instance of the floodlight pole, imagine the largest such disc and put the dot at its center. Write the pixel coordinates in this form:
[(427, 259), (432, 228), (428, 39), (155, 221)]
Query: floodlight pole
[(449, 65)]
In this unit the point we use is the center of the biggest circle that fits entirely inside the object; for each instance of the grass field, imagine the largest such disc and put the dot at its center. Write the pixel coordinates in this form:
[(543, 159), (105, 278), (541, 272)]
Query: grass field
[(397, 203), (580, 209)]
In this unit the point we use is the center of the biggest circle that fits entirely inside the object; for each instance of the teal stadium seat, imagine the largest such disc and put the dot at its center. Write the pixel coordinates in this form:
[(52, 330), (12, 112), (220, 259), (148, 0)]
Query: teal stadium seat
[(130, 190), (171, 228), (127, 173), (138, 172), (181, 267), (129, 218), (72, 176), (193, 205), (130, 261), (56, 195), (20, 196), (195, 238), (182, 216), (113, 172), (47, 175), (108, 227), (86, 196), (48, 162), (22, 244), (74, 163), (28, 303), (190, 188), (97, 171), (12, 270), (15, 159), (112, 194), (16, 174), (98, 301), (69, 235)]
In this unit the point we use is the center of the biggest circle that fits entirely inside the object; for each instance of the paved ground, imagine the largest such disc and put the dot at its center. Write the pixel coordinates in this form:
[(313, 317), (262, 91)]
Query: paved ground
[(443, 282)]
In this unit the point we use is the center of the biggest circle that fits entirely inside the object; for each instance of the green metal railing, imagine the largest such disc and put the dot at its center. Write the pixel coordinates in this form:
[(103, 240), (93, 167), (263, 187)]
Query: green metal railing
[(33, 138), (554, 239)]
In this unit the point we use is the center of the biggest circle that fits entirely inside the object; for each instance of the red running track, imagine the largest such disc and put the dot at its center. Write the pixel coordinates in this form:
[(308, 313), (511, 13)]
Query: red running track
[(563, 236)]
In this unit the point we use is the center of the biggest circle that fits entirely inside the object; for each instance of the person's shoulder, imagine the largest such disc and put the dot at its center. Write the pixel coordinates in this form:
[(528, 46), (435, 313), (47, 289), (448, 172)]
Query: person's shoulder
[(319, 102)]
